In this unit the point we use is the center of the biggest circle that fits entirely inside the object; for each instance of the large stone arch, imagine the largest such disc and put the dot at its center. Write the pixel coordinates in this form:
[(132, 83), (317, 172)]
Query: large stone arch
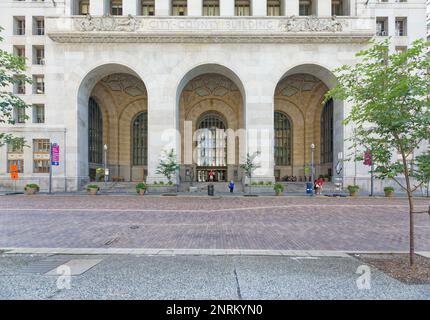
[(204, 89), (300, 94), (116, 88)]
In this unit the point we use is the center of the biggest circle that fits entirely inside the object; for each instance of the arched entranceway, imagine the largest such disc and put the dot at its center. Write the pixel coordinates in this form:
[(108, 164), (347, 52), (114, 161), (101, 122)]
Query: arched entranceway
[(115, 115), (210, 118), (303, 118)]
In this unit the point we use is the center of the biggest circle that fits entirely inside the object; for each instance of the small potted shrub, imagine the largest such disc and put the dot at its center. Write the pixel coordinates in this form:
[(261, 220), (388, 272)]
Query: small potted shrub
[(388, 191), (141, 188), (353, 190), (279, 188), (31, 188), (92, 189)]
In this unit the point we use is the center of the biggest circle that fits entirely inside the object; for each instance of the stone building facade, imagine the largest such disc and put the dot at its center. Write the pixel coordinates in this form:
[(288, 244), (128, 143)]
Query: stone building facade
[(213, 80)]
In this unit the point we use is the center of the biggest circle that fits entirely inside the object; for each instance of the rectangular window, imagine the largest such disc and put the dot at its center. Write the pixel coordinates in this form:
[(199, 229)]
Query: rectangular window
[(242, 7), (400, 49), (38, 84), (211, 7), (19, 51), (305, 8), (382, 26), (401, 27), (116, 7), (337, 8), (179, 7), (84, 7), (19, 85), (38, 26), (41, 148), (38, 113), (273, 7), (148, 7), (38, 55), (15, 156), (19, 115), (19, 26)]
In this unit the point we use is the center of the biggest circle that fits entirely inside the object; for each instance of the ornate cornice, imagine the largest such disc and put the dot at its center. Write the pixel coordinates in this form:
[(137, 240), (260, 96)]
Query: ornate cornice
[(209, 30)]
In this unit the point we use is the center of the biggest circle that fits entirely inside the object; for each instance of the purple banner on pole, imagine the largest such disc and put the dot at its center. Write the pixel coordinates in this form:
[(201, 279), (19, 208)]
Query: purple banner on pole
[(55, 154)]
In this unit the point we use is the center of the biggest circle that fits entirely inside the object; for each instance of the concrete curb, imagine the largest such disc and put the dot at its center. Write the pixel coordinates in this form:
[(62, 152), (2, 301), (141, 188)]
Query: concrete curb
[(200, 252)]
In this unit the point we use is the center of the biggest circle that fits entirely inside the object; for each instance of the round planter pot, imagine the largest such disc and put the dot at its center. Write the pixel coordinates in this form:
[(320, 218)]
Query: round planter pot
[(92, 191), (142, 192), (388, 194), (30, 191), (353, 194)]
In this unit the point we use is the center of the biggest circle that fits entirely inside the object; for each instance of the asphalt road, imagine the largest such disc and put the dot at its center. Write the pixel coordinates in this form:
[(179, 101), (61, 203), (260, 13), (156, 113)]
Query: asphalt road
[(199, 277)]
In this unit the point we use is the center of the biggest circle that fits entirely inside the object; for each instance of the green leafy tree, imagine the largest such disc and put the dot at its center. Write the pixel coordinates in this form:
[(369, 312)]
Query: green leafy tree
[(249, 166), (11, 72), (168, 164), (389, 94)]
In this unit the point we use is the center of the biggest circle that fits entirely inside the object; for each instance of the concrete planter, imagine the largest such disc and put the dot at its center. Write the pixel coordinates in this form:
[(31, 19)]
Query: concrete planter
[(353, 194), (92, 191), (388, 194), (31, 191), (141, 192)]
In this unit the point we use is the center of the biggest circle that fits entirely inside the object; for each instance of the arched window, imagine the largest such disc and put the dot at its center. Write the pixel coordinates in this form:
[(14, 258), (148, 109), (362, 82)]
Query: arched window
[(211, 141), (283, 139), (327, 132), (95, 132), (140, 139)]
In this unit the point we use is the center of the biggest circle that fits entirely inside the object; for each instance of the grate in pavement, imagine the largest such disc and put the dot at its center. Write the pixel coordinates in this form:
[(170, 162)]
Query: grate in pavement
[(76, 267), (112, 241), (44, 265)]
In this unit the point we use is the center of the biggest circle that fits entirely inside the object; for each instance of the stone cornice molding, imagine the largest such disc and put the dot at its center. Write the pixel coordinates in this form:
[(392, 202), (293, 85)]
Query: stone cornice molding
[(108, 29)]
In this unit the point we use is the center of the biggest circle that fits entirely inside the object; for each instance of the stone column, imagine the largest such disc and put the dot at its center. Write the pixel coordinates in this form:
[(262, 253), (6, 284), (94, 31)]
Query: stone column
[(163, 7), (70, 7), (291, 7), (195, 7), (259, 117), (130, 7), (259, 7), (323, 8), (226, 7), (162, 124), (99, 7)]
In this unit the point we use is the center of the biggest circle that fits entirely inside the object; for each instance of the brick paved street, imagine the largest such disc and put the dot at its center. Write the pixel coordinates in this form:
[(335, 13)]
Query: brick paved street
[(283, 223)]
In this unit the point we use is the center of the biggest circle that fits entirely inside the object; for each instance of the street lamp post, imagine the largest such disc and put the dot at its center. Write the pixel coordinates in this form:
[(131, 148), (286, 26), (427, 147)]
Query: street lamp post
[(105, 147), (312, 165)]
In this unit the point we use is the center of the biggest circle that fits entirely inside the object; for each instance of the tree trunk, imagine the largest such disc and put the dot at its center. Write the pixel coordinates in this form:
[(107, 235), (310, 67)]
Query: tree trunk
[(411, 211)]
